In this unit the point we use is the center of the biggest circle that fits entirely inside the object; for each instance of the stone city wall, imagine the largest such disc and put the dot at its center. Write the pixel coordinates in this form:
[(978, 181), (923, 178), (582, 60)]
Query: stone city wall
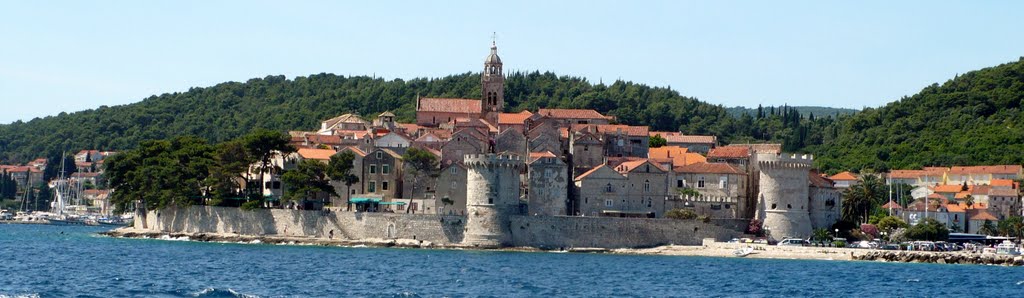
[(552, 232), (306, 223)]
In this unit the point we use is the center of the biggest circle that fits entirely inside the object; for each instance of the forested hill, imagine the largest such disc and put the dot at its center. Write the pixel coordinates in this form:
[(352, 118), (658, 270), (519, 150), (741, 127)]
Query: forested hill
[(973, 119), (738, 111), (231, 109)]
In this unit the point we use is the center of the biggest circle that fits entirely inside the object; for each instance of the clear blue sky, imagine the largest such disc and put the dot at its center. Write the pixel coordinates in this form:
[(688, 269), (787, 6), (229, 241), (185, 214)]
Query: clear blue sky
[(72, 55)]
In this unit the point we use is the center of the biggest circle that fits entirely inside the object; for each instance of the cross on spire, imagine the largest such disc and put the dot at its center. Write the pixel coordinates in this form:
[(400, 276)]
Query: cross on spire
[(494, 37)]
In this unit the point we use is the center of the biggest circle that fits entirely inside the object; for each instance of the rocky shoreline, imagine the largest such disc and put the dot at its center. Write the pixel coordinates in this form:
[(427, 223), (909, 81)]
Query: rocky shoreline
[(941, 258), (709, 249)]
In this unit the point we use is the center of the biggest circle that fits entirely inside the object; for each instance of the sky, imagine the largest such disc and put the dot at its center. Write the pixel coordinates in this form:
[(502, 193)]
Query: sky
[(66, 56)]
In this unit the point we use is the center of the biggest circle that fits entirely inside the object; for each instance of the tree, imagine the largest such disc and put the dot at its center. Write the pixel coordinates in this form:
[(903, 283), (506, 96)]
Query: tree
[(928, 229), (1012, 226), (656, 141), (262, 145), (891, 223), (340, 168), (988, 228), (860, 199), (159, 174), (969, 200), (419, 164), (822, 235), (230, 168), (307, 180)]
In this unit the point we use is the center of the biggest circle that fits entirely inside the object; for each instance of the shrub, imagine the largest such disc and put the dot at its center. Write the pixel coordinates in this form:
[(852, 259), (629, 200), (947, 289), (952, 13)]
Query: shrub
[(754, 228), (704, 218), (251, 205), (928, 229), (681, 214), (870, 230), (839, 243)]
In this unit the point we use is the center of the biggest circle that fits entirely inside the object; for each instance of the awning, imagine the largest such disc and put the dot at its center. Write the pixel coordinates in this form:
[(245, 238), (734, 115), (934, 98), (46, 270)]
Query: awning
[(364, 200)]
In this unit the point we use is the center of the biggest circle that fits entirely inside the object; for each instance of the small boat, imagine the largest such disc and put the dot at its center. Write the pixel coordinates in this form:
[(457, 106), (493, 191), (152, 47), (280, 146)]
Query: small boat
[(1007, 248), (743, 251)]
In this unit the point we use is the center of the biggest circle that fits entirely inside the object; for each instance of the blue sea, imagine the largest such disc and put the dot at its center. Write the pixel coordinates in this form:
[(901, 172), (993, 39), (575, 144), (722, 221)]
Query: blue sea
[(52, 261)]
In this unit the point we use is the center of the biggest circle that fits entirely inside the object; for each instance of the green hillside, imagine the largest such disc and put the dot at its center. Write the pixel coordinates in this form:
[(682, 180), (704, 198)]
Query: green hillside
[(973, 119), (231, 109), (738, 111)]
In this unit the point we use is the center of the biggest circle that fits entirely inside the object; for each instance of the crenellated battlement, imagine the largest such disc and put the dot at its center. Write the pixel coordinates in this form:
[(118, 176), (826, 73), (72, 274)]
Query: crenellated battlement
[(493, 160), (707, 199), (794, 161)]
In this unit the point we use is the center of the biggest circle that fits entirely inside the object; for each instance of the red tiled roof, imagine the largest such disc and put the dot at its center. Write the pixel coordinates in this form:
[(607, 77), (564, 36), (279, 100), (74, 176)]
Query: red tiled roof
[(636, 131), (664, 133), (591, 171), (514, 118), (729, 152), (538, 155), (355, 150), (763, 148), (817, 180), (629, 166), (844, 176), (983, 215), (449, 105), (571, 114), (1003, 192), (1002, 182), (677, 155), (894, 205), (691, 139), (997, 169), (947, 188), (319, 154), (709, 167)]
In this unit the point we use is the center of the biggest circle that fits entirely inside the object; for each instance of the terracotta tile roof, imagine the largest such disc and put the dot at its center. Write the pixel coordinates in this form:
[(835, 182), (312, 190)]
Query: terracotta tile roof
[(571, 114), (763, 148), (514, 118), (948, 188), (983, 215), (318, 154), (591, 171), (918, 206), (819, 181), (663, 133), (344, 118), (1002, 182), (441, 133), (449, 105), (690, 139), (893, 204), (429, 137), (709, 167), (629, 166), (906, 174), (936, 196), (16, 169), (538, 155), (729, 152), (997, 169), (1003, 192), (323, 139), (355, 150), (955, 208), (844, 176), (409, 127), (636, 131), (678, 155)]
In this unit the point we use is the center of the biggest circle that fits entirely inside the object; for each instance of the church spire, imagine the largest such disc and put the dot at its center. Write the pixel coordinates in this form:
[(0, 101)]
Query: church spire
[(492, 81)]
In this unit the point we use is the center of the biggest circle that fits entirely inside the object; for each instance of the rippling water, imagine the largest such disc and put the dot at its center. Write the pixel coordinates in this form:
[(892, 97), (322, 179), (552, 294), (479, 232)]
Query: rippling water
[(50, 261)]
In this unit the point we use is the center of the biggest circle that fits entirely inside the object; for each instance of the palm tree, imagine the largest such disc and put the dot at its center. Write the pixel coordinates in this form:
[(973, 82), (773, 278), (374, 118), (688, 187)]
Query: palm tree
[(860, 199)]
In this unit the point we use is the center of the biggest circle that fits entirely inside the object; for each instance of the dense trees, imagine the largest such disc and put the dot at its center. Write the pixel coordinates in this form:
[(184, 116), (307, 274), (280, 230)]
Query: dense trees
[(928, 229), (972, 119), (339, 168), (308, 179), (860, 199), (419, 164)]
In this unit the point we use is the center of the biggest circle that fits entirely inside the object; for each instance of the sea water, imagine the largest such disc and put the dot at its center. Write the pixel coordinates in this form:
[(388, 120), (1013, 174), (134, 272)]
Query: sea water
[(56, 261)]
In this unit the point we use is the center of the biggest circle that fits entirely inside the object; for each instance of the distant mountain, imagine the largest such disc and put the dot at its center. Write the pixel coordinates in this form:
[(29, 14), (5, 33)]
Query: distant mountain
[(804, 110)]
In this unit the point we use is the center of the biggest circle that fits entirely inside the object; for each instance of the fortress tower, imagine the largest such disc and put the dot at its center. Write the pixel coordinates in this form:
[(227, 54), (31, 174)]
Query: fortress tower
[(782, 204), (492, 194)]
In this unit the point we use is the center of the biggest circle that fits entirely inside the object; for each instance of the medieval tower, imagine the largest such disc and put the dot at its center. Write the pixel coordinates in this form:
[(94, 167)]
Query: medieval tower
[(782, 204), (492, 83), (492, 195)]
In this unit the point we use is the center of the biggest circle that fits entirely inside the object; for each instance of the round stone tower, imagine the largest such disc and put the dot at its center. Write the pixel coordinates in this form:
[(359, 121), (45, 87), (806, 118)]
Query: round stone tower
[(492, 194), (782, 204)]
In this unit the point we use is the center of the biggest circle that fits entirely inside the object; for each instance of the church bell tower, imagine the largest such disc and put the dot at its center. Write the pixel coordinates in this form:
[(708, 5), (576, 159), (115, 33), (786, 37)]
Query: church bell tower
[(493, 85)]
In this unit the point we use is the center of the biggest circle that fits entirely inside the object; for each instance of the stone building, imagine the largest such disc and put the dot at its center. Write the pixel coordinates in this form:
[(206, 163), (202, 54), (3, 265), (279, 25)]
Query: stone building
[(569, 117), (598, 190), (511, 140), (826, 201), (587, 151), (647, 185), (382, 173), (721, 189), (451, 189), (698, 144), (461, 143), (548, 182)]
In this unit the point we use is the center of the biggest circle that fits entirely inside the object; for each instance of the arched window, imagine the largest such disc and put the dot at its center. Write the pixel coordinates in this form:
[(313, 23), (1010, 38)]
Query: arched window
[(608, 188), (700, 182), (647, 186)]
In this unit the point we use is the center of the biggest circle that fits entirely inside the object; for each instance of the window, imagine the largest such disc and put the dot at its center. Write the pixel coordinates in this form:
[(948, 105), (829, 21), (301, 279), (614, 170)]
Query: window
[(384, 185), (608, 203), (380, 155), (453, 170), (648, 202), (647, 186), (700, 182), (722, 180), (277, 184), (385, 169), (454, 184), (716, 207), (373, 169), (371, 186), (679, 183), (726, 206)]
